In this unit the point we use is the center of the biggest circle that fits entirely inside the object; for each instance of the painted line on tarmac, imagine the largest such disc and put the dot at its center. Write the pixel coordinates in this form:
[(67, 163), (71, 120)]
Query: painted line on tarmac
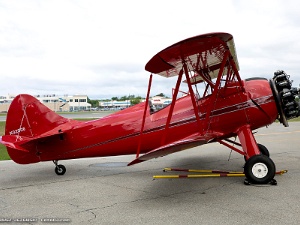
[(279, 133)]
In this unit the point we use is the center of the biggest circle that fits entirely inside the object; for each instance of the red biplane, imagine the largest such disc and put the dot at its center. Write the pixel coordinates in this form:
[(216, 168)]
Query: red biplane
[(218, 105)]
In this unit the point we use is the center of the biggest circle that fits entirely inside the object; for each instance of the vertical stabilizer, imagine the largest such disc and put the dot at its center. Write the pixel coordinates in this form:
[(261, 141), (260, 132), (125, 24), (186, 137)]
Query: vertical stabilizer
[(27, 119)]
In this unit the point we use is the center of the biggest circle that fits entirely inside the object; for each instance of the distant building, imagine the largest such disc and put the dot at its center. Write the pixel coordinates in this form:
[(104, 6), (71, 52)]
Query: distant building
[(158, 102), (56, 103), (114, 104), (78, 103)]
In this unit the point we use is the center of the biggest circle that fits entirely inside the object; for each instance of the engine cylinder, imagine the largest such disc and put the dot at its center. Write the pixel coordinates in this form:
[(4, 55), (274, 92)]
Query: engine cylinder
[(286, 96)]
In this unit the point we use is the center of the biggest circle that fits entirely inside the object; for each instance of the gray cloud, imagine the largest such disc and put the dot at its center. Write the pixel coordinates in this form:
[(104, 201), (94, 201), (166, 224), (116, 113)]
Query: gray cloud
[(97, 49), (117, 67)]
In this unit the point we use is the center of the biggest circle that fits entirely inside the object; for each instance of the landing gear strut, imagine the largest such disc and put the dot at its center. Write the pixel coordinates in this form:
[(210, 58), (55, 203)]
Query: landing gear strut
[(59, 169), (259, 168)]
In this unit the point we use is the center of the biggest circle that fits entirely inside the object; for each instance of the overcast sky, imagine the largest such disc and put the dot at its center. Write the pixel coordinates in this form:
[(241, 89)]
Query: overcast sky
[(100, 48)]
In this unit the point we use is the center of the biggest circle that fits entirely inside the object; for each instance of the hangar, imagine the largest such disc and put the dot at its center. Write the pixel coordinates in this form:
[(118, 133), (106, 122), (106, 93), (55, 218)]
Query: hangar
[(57, 103)]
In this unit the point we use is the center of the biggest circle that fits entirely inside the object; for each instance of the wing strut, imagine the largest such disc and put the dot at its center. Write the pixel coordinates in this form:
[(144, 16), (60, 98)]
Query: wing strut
[(191, 93), (234, 67), (144, 116), (172, 106), (174, 100), (216, 89)]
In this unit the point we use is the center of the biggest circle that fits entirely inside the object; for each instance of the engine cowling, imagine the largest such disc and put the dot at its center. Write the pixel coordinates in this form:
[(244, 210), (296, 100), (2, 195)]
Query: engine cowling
[(286, 96)]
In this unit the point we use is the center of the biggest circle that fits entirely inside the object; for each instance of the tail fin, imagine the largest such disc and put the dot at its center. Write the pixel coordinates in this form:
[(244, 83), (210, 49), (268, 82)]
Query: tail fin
[(27, 118)]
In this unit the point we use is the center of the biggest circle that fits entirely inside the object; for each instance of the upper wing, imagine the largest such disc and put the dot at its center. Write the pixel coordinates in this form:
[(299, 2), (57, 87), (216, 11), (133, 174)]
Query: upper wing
[(202, 53), (185, 143)]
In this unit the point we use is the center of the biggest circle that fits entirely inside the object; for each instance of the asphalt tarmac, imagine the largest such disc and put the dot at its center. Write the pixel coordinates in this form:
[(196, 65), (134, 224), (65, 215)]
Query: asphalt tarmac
[(106, 191)]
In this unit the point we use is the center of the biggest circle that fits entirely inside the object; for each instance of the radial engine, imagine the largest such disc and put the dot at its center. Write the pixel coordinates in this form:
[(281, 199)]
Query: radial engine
[(286, 97)]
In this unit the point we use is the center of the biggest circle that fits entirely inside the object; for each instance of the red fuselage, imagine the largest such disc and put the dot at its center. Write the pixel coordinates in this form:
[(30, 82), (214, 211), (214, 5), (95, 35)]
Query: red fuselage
[(119, 133)]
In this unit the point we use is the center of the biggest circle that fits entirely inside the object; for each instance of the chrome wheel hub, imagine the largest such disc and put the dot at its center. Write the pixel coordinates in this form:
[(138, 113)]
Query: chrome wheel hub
[(259, 170)]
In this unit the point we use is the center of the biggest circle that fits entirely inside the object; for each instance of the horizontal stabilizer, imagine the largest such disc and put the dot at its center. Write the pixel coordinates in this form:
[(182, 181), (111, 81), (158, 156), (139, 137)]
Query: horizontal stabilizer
[(185, 143), (14, 141), (20, 142)]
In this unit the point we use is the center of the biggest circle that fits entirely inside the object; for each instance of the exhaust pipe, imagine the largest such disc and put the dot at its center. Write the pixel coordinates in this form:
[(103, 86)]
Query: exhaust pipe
[(286, 97)]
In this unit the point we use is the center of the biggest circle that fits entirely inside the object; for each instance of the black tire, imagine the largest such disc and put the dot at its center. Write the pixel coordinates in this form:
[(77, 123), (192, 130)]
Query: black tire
[(60, 169), (259, 169), (263, 150)]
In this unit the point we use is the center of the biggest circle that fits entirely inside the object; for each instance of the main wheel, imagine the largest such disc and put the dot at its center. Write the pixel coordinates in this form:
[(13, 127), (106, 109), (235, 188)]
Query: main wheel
[(60, 169), (259, 169), (263, 150)]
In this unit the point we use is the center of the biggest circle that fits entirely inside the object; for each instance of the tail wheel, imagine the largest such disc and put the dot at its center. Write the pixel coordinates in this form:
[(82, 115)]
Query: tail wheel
[(60, 169), (259, 169)]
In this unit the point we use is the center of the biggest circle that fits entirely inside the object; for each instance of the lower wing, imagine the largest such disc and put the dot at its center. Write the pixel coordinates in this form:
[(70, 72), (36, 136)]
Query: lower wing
[(180, 145)]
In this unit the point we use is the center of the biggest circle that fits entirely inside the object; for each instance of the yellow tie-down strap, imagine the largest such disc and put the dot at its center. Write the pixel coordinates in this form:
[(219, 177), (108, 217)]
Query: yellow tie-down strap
[(205, 173)]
